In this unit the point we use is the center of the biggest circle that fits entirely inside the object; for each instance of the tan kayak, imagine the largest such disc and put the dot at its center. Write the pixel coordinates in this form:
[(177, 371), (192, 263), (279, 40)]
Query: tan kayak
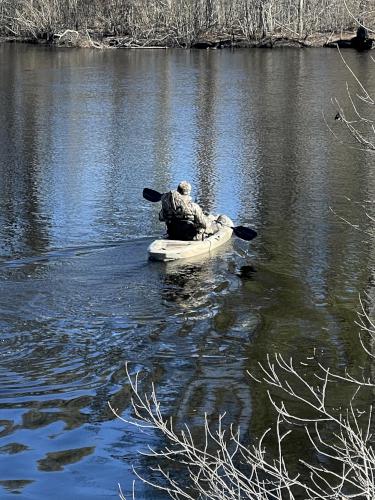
[(167, 250)]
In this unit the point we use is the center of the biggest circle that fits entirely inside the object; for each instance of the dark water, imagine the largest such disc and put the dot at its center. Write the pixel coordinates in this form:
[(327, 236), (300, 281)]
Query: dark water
[(82, 132)]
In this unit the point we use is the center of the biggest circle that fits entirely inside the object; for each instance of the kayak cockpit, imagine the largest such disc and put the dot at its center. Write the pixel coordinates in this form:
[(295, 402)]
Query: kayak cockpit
[(167, 250)]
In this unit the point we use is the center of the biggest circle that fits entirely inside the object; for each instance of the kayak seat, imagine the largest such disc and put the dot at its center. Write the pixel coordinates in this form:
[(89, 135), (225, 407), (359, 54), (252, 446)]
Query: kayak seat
[(181, 230)]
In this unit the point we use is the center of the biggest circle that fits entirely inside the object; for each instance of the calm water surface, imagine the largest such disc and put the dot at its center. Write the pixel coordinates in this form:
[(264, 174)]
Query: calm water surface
[(82, 132)]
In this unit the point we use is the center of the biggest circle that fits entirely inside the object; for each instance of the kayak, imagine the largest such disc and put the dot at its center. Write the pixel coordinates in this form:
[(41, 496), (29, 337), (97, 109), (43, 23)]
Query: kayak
[(166, 250)]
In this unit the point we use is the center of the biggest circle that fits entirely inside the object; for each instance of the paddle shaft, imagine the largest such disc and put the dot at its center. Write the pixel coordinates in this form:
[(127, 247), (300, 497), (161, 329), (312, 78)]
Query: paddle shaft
[(245, 233)]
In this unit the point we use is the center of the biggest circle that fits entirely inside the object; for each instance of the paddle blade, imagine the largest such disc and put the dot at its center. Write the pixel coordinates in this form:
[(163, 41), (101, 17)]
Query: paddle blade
[(151, 195), (245, 233)]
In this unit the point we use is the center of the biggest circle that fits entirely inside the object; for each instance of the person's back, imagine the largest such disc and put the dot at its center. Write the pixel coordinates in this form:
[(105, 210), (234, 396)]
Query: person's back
[(185, 219)]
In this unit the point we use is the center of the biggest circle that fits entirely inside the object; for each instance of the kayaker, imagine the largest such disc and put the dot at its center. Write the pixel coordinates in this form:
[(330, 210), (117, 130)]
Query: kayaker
[(185, 219)]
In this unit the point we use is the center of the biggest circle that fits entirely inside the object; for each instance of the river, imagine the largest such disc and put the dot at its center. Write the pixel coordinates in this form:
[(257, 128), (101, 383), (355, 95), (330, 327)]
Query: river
[(82, 133)]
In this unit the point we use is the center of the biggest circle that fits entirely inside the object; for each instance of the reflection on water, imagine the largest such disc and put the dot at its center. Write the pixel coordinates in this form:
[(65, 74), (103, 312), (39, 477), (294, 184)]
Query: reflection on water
[(15, 486), (57, 460), (83, 132)]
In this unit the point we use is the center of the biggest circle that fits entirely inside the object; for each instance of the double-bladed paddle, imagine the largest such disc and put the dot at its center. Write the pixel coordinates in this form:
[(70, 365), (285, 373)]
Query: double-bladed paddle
[(245, 233), (151, 195)]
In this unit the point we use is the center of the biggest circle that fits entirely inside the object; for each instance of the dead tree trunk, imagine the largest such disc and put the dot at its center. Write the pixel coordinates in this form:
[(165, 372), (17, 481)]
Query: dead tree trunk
[(300, 16)]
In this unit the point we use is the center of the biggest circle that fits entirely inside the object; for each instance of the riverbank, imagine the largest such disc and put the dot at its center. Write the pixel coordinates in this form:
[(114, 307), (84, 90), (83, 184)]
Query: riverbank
[(87, 39)]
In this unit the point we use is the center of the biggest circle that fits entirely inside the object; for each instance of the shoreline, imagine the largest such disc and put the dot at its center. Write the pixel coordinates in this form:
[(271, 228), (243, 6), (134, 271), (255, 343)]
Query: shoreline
[(76, 39)]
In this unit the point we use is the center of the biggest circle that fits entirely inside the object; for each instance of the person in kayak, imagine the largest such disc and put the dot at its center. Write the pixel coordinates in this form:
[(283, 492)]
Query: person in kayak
[(185, 220)]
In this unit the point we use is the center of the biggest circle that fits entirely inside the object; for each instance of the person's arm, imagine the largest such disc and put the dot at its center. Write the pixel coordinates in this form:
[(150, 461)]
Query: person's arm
[(164, 201), (199, 218)]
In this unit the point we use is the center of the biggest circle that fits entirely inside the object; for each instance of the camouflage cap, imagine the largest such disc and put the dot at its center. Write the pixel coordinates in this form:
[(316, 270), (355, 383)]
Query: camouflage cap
[(184, 187)]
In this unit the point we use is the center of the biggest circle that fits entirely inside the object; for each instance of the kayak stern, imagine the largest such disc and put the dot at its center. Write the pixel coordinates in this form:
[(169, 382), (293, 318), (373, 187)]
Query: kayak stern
[(165, 250)]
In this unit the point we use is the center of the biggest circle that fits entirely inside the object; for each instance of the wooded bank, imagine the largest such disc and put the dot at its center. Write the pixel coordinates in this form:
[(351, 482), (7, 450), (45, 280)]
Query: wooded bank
[(183, 23)]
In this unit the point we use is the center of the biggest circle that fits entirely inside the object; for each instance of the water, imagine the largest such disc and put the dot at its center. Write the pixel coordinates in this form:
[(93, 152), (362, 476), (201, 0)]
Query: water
[(82, 132)]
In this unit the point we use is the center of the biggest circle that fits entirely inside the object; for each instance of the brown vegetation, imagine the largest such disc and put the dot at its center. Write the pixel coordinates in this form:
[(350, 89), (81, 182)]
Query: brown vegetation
[(179, 23)]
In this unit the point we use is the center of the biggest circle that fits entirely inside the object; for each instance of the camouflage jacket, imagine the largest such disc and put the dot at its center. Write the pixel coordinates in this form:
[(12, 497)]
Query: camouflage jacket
[(177, 207)]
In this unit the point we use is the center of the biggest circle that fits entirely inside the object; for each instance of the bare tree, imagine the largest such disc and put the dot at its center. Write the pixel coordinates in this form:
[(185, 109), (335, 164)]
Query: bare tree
[(181, 21), (361, 124), (223, 468)]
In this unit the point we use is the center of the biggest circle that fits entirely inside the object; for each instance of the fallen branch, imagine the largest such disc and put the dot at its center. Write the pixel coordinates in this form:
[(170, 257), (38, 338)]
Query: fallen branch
[(61, 35)]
